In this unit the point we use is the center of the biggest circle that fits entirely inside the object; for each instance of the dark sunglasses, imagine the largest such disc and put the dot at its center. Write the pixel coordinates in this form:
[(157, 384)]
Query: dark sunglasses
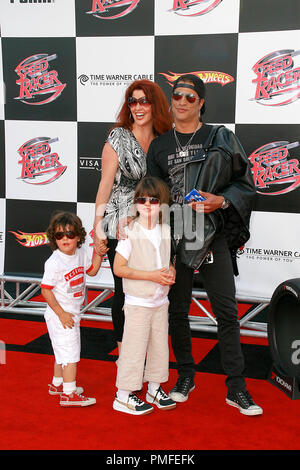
[(143, 200), (141, 101), (69, 234), (177, 95)]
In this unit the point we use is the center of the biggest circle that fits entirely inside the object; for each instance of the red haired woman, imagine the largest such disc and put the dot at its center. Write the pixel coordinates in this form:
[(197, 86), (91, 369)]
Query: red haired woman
[(143, 116)]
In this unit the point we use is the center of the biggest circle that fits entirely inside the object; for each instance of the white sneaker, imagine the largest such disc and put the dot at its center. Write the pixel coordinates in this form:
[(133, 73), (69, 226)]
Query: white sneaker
[(75, 399), (134, 405), (161, 400)]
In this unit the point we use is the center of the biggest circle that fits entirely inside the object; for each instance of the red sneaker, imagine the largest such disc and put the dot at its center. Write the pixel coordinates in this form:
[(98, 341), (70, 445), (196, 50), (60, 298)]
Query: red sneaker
[(76, 399), (59, 390)]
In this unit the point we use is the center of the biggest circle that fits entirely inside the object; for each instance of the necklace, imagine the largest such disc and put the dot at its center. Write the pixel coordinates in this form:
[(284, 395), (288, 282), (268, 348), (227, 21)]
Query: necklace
[(184, 150)]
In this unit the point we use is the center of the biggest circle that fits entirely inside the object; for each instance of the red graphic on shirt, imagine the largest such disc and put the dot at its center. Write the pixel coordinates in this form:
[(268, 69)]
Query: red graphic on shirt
[(73, 273), (76, 284), (80, 280)]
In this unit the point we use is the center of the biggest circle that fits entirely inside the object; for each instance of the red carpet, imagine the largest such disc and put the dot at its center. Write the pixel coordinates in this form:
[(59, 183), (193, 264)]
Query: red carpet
[(31, 419)]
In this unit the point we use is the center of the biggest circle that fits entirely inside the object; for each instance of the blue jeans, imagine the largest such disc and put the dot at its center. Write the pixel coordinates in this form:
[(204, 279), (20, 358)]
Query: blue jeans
[(218, 280)]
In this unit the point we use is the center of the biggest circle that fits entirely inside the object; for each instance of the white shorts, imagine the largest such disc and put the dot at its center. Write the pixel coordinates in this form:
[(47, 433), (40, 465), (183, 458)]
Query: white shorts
[(65, 341)]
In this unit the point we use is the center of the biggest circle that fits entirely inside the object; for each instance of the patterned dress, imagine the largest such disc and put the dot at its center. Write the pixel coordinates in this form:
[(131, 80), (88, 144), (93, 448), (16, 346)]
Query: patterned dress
[(132, 167)]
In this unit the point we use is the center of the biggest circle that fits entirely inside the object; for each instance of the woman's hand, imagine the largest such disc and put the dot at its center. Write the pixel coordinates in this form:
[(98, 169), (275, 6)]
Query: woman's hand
[(122, 224), (100, 242)]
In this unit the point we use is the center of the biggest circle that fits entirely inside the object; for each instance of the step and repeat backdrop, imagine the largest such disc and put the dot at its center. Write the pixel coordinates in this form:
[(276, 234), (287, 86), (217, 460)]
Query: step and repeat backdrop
[(64, 67)]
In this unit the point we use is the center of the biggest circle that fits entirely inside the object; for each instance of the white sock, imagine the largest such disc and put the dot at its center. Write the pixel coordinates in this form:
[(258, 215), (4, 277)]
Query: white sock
[(57, 381), (69, 387), (152, 388), (123, 395)]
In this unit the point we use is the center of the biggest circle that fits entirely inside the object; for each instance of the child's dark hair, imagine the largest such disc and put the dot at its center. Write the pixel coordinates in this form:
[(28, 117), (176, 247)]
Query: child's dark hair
[(63, 219), (153, 187)]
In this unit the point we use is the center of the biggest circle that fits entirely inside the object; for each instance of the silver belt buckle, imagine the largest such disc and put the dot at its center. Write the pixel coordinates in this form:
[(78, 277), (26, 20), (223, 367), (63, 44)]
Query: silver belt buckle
[(209, 258)]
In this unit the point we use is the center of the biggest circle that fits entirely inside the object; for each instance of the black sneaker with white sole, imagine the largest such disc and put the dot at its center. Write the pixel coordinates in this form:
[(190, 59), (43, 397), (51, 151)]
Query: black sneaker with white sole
[(161, 400), (244, 402), (183, 387), (133, 406)]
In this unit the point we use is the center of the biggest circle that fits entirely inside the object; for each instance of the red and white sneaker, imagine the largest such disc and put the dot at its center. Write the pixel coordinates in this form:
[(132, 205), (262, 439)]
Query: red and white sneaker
[(59, 390), (76, 399)]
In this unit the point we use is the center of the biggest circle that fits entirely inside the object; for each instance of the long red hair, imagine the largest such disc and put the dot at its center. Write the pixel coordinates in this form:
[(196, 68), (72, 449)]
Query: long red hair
[(162, 119)]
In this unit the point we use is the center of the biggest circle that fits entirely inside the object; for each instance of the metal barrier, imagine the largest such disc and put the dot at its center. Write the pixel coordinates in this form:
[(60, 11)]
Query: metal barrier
[(21, 303)]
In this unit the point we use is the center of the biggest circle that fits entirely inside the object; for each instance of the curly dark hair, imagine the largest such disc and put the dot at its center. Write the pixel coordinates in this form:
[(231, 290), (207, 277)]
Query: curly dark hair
[(63, 219)]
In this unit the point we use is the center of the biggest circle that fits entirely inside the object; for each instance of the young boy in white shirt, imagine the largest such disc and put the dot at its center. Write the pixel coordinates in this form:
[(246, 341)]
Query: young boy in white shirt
[(63, 288)]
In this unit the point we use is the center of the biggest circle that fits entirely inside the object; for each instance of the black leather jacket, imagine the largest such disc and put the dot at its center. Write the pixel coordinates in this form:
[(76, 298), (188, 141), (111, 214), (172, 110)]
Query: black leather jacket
[(222, 169)]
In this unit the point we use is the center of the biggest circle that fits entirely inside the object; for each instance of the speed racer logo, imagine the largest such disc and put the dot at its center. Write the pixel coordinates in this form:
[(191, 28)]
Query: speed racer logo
[(31, 240), (112, 9), (277, 78), (39, 165), (273, 167), (38, 84), (194, 7), (208, 76)]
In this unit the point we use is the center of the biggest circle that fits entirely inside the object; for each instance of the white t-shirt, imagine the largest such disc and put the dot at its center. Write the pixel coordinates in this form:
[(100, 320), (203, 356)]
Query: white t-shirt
[(124, 248), (65, 276)]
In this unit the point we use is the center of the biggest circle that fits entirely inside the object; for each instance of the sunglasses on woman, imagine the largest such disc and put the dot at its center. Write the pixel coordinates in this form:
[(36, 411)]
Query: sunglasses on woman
[(143, 200), (69, 234), (177, 95), (141, 101)]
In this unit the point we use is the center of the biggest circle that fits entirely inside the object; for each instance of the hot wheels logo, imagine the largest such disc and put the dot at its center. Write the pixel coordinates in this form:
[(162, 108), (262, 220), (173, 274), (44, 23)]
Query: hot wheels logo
[(194, 7), (112, 9), (278, 79), (207, 76), (36, 80), (38, 164), (31, 240), (272, 166)]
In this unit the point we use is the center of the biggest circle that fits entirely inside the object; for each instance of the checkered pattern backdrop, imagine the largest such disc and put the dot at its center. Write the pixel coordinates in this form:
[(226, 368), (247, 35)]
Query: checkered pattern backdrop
[(64, 66)]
